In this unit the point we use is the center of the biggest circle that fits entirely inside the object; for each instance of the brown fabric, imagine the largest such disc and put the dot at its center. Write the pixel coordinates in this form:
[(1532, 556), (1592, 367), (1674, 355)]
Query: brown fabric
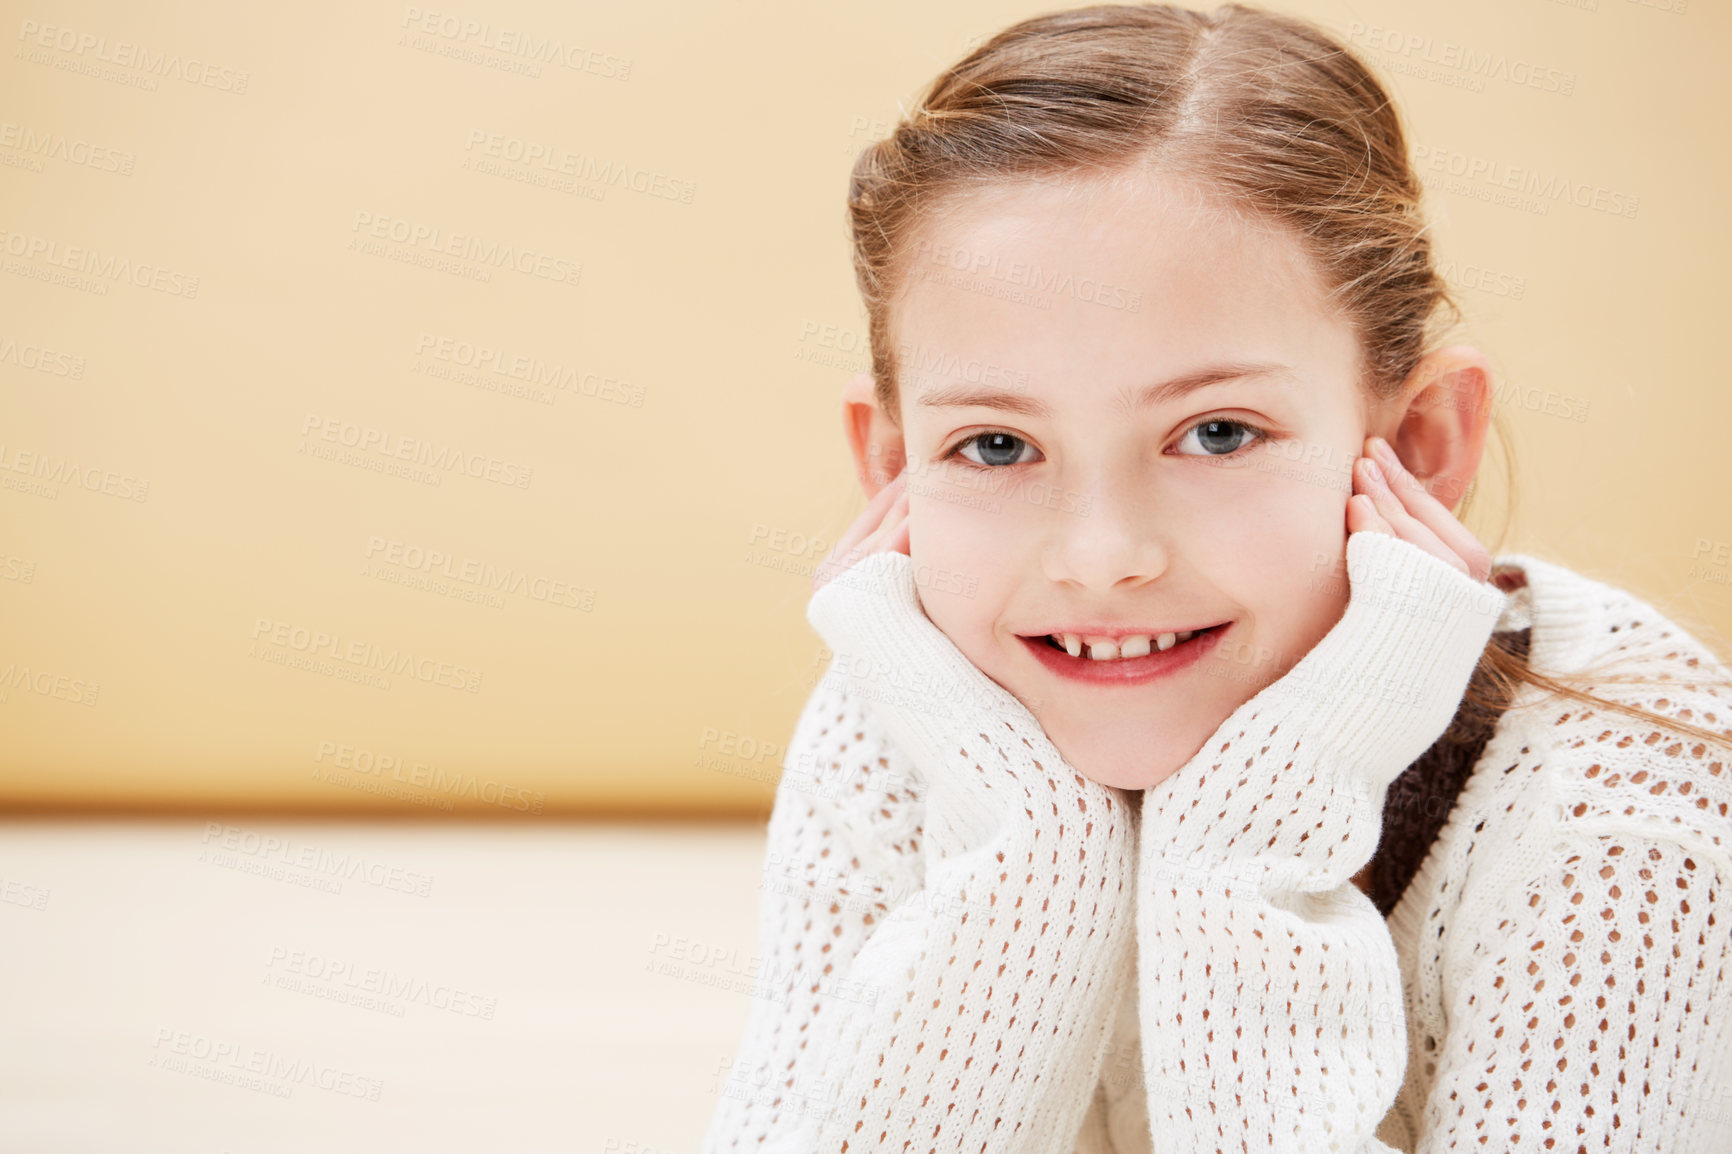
[(1419, 801)]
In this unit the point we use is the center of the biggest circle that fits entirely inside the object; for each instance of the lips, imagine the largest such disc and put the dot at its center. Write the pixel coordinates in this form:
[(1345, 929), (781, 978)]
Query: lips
[(1124, 670), (1102, 645)]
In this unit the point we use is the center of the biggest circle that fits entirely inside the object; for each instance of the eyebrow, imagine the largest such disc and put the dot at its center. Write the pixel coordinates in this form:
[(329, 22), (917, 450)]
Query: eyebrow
[(1149, 395)]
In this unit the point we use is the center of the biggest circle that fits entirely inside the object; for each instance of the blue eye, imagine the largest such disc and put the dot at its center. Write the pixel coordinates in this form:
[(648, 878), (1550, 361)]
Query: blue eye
[(1221, 438), (996, 449), (1217, 438)]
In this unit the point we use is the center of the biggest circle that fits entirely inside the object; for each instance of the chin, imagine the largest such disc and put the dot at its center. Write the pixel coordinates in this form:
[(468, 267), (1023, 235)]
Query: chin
[(1132, 758), (1136, 775)]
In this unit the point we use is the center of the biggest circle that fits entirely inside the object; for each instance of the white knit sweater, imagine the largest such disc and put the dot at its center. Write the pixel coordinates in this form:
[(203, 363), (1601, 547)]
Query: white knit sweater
[(967, 946)]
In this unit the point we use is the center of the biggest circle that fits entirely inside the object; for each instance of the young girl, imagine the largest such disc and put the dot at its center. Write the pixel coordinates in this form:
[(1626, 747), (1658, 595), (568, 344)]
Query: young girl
[(1186, 777)]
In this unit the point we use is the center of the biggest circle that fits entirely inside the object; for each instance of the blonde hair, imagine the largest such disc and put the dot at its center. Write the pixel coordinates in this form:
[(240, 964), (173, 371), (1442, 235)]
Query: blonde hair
[(1272, 114)]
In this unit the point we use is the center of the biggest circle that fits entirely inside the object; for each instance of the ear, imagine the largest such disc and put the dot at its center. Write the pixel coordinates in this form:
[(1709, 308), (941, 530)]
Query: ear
[(875, 439), (1437, 423)]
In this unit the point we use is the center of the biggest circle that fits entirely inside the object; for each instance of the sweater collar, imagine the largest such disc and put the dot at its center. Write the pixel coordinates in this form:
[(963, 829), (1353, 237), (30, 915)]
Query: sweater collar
[(1565, 610)]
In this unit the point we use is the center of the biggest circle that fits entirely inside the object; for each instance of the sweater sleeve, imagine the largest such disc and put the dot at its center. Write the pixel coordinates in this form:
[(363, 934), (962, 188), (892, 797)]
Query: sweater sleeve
[(843, 850), (1594, 1011), (995, 988), (1270, 994)]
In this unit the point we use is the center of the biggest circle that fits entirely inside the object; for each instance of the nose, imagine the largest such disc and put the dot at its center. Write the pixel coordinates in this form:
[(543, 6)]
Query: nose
[(1108, 536)]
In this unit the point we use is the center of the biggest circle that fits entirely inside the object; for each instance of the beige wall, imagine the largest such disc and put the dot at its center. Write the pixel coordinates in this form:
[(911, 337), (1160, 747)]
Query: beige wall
[(240, 174)]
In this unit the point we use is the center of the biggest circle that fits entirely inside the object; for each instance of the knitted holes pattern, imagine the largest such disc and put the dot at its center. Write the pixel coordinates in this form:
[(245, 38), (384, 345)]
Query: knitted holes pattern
[(1595, 1010), (1023, 962), (844, 843), (1594, 985), (1630, 772), (1236, 1057)]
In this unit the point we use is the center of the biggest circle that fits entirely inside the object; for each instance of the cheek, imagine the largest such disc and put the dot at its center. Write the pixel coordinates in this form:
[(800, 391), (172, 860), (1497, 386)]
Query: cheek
[(1296, 566), (965, 548), (1271, 518), (972, 529)]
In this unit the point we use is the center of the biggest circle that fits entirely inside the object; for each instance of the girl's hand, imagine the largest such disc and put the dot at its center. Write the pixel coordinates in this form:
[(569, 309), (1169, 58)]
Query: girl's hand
[(881, 527), (1388, 499)]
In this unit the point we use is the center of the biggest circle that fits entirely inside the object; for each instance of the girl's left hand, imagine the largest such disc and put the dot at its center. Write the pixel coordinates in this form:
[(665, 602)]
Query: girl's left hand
[(1395, 502)]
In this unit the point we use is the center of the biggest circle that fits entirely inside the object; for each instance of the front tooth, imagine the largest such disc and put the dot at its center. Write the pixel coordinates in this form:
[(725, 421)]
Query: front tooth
[(1134, 646), (1166, 641), (1102, 648), (1185, 635), (1072, 644)]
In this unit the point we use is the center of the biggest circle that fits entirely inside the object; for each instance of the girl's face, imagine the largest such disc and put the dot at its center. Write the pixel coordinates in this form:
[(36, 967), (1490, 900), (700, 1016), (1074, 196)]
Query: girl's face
[(1125, 413)]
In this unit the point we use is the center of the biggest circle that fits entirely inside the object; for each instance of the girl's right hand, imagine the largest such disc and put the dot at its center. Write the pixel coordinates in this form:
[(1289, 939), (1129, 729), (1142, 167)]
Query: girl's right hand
[(881, 527)]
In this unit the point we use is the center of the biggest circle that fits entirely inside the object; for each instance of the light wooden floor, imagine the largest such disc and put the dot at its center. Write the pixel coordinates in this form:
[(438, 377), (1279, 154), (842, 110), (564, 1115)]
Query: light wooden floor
[(180, 986)]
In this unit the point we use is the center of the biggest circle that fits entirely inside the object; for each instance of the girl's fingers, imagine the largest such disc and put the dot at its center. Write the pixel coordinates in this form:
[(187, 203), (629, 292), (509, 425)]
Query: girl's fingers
[(1418, 501), (1370, 483), (895, 526), (872, 515), (891, 530), (876, 529), (898, 541), (1362, 516)]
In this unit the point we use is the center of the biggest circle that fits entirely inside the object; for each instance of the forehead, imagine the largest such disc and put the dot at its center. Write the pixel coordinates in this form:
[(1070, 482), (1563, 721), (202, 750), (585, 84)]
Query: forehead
[(1106, 282)]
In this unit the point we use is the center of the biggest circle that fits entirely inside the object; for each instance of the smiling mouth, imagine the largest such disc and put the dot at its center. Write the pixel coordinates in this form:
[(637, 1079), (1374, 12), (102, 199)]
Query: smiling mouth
[(1106, 665), (1124, 648)]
